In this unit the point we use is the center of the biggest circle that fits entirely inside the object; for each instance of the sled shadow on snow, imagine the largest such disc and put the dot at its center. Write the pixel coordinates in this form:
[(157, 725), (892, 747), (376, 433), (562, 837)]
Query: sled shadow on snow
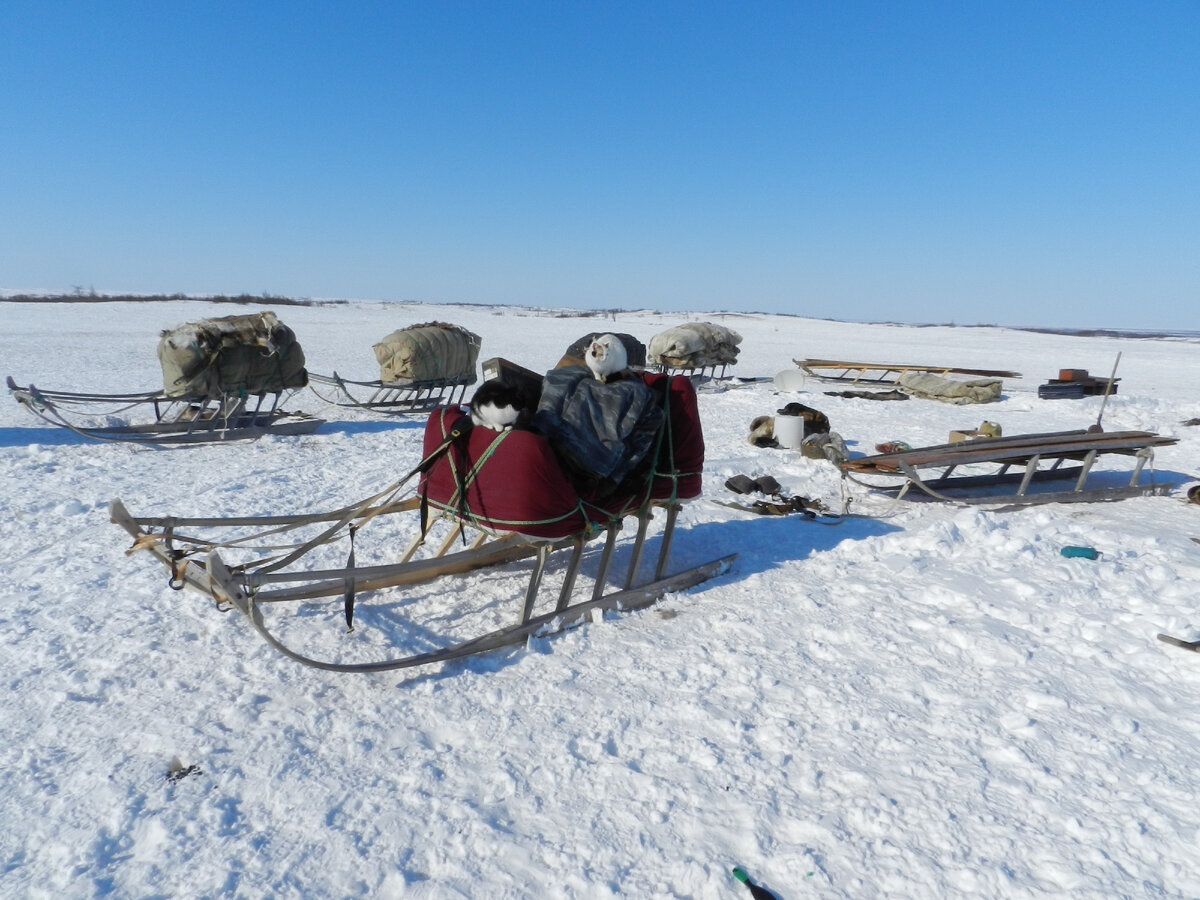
[(1099, 482), (762, 544), (43, 437), (373, 426)]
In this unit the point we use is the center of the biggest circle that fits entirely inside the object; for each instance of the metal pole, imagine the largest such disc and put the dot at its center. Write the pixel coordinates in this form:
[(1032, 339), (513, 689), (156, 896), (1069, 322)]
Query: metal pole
[(1107, 391)]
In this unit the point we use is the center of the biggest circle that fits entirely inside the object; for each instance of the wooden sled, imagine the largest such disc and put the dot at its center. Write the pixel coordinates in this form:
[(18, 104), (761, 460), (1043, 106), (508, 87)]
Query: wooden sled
[(198, 553), (882, 373), (999, 455), (156, 418), (392, 398)]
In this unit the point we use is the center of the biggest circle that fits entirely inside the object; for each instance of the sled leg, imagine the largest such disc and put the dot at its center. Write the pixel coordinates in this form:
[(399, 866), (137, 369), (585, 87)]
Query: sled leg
[(636, 560), (664, 551), (1030, 470), (568, 586), (1088, 462), (535, 581), (412, 548), (455, 531), (1143, 455), (610, 540)]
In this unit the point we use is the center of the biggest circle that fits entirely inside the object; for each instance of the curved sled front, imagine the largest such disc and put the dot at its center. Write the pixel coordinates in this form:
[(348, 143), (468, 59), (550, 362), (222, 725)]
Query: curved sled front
[(516, 500)]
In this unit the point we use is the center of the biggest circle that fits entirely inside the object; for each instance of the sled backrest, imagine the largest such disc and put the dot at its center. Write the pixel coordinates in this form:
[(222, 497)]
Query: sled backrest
[(248, 355)]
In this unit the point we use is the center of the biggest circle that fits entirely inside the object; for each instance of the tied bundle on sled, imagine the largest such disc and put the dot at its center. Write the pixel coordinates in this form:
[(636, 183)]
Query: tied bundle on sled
[(434, 351), (224, 379), (694, 345), (421, 368), (248, 355)]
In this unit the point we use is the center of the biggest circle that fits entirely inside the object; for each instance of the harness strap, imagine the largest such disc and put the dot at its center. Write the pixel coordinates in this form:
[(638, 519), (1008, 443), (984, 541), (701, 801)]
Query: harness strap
[(459, 432), (354, 512)]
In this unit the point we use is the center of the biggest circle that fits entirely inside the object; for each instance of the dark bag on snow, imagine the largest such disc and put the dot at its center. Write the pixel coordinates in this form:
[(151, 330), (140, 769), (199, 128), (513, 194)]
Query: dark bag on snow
[(246, 355)]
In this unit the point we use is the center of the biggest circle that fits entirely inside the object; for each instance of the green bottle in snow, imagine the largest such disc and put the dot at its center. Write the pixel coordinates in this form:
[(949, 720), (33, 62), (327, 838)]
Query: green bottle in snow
[(758, 893)]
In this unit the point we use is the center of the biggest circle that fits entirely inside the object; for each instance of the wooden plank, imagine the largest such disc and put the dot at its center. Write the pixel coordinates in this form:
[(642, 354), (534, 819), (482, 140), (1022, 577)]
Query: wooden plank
[(810, 364)]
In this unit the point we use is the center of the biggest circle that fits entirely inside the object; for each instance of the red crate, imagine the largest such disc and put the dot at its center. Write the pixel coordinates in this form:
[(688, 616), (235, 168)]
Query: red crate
[(1073, 375)]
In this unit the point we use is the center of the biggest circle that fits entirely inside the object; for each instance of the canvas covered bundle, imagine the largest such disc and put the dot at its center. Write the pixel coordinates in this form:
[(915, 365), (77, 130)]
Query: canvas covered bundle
[(695, 345), (434, 351), (949, 390), (248, 355)]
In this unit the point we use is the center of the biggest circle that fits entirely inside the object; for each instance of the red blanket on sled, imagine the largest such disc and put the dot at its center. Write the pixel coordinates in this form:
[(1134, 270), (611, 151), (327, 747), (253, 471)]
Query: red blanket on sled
[(519, 486)]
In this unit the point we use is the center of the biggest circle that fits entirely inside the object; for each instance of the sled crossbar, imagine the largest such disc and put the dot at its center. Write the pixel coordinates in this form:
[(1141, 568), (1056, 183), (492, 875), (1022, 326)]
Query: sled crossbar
[(396, 398)]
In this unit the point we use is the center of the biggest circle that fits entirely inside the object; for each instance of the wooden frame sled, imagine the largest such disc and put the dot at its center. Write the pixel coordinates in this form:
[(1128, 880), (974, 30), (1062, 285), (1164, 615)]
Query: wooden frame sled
[(1001, 454), (250, 592), (392, 398), (882, 373), (456, 486), (154, 417)]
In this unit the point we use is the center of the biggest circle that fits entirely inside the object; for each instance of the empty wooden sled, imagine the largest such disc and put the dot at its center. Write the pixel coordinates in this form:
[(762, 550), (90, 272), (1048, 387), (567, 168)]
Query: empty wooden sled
[(883, 373), (1002, 469), (506, 489)]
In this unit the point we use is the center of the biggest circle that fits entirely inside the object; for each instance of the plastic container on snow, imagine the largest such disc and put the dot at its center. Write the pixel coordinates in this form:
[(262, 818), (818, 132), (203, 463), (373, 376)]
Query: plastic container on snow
[(789, 431)]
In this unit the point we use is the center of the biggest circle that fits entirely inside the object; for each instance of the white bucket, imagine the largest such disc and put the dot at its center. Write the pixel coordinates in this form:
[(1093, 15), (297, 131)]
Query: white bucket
[(789, 431)]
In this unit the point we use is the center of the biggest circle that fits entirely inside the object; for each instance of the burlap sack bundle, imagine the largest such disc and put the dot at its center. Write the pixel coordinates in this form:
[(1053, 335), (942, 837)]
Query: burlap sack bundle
[(434, 351), (246, 355)]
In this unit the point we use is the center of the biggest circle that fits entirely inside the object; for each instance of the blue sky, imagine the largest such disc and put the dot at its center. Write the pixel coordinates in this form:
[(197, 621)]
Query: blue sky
[(972, 162)]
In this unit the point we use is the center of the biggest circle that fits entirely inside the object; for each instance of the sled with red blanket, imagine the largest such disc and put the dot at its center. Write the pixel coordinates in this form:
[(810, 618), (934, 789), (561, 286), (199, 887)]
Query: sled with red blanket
[(505, 489)]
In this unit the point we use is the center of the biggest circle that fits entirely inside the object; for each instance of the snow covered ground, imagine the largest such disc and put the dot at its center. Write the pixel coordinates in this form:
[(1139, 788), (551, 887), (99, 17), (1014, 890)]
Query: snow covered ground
[(924, 701)]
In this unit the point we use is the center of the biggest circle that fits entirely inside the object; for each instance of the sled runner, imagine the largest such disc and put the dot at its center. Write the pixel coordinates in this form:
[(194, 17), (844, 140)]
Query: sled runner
[(223, 379), (507, 488), (421, 368), (883, 373), (156, 418), (1000, 454)]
